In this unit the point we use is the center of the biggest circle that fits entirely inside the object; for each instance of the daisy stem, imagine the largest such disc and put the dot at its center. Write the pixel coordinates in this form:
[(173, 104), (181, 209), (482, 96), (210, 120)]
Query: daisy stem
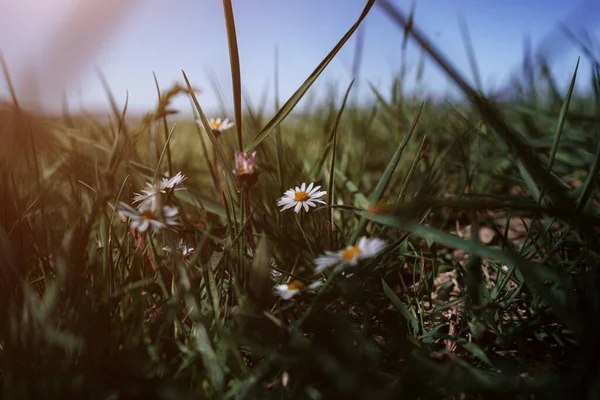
[(300, 224), (246, 200), (322, 289), (151, 253), (216, 168)]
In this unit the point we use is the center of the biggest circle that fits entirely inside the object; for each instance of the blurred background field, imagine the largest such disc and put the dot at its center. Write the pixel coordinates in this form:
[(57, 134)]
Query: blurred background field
[(485, 193)]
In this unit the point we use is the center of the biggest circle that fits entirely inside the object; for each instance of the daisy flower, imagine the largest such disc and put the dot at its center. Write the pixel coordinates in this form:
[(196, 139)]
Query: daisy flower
[(245, 164), (147, 198), (218, 125), (145, 218), (170, 184), (182, 248), (288, 290), (246, 169), (351, 255), (301, 197)]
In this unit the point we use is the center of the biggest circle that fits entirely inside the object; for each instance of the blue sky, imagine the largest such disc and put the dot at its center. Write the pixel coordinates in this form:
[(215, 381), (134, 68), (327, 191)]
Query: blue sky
[(60, 43)]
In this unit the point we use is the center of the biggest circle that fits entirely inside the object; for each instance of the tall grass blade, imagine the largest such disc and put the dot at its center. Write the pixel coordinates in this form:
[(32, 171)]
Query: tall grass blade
[(208, 130), (234, 59), (297, 96)]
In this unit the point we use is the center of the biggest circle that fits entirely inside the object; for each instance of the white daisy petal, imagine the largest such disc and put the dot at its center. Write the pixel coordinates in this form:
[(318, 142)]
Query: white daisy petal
[(143, 225), (284, 200), (351, 255), (326, 261), (288, 206)]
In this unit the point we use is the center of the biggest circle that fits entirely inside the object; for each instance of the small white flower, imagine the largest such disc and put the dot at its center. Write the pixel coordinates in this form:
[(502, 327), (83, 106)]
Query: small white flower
[(147, 198), (218, 125), (145, 218), (351, 255), (301, 197), (170, 184), (182, 248), (288, 290)]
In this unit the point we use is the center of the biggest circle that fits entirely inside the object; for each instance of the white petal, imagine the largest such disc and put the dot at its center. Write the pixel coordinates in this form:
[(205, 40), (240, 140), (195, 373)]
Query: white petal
[(314, 286), (281, 288), (128, 211), (303, 187), (289, 205), (169, 211), (314, 190), (318, 194), (284, 200), (289, 294), (156, 225), (297, 208), (143, 225), (362, 242), (305, 206), (324, 262), (309, 188)]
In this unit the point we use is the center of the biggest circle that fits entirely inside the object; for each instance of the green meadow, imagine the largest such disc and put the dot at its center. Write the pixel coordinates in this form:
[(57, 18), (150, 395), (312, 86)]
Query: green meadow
[(412, 248)]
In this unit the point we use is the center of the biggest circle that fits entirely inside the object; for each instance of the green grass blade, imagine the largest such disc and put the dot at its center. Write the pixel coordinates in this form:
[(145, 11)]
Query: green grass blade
[(234, 59), (353, 189), (291, 103), (400, 306), (333, 155), (386, 177), (208, 130), (536, 274), (590, 183), (464, 30), (562, 119), (165, 128), (278, 129), (411, 171)]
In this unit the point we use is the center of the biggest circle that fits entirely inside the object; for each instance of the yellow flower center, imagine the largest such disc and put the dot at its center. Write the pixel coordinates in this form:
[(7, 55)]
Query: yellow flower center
[(147, 214), (215, 125), (300, 196), (242, 169), (350, 254), (295, 285)]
